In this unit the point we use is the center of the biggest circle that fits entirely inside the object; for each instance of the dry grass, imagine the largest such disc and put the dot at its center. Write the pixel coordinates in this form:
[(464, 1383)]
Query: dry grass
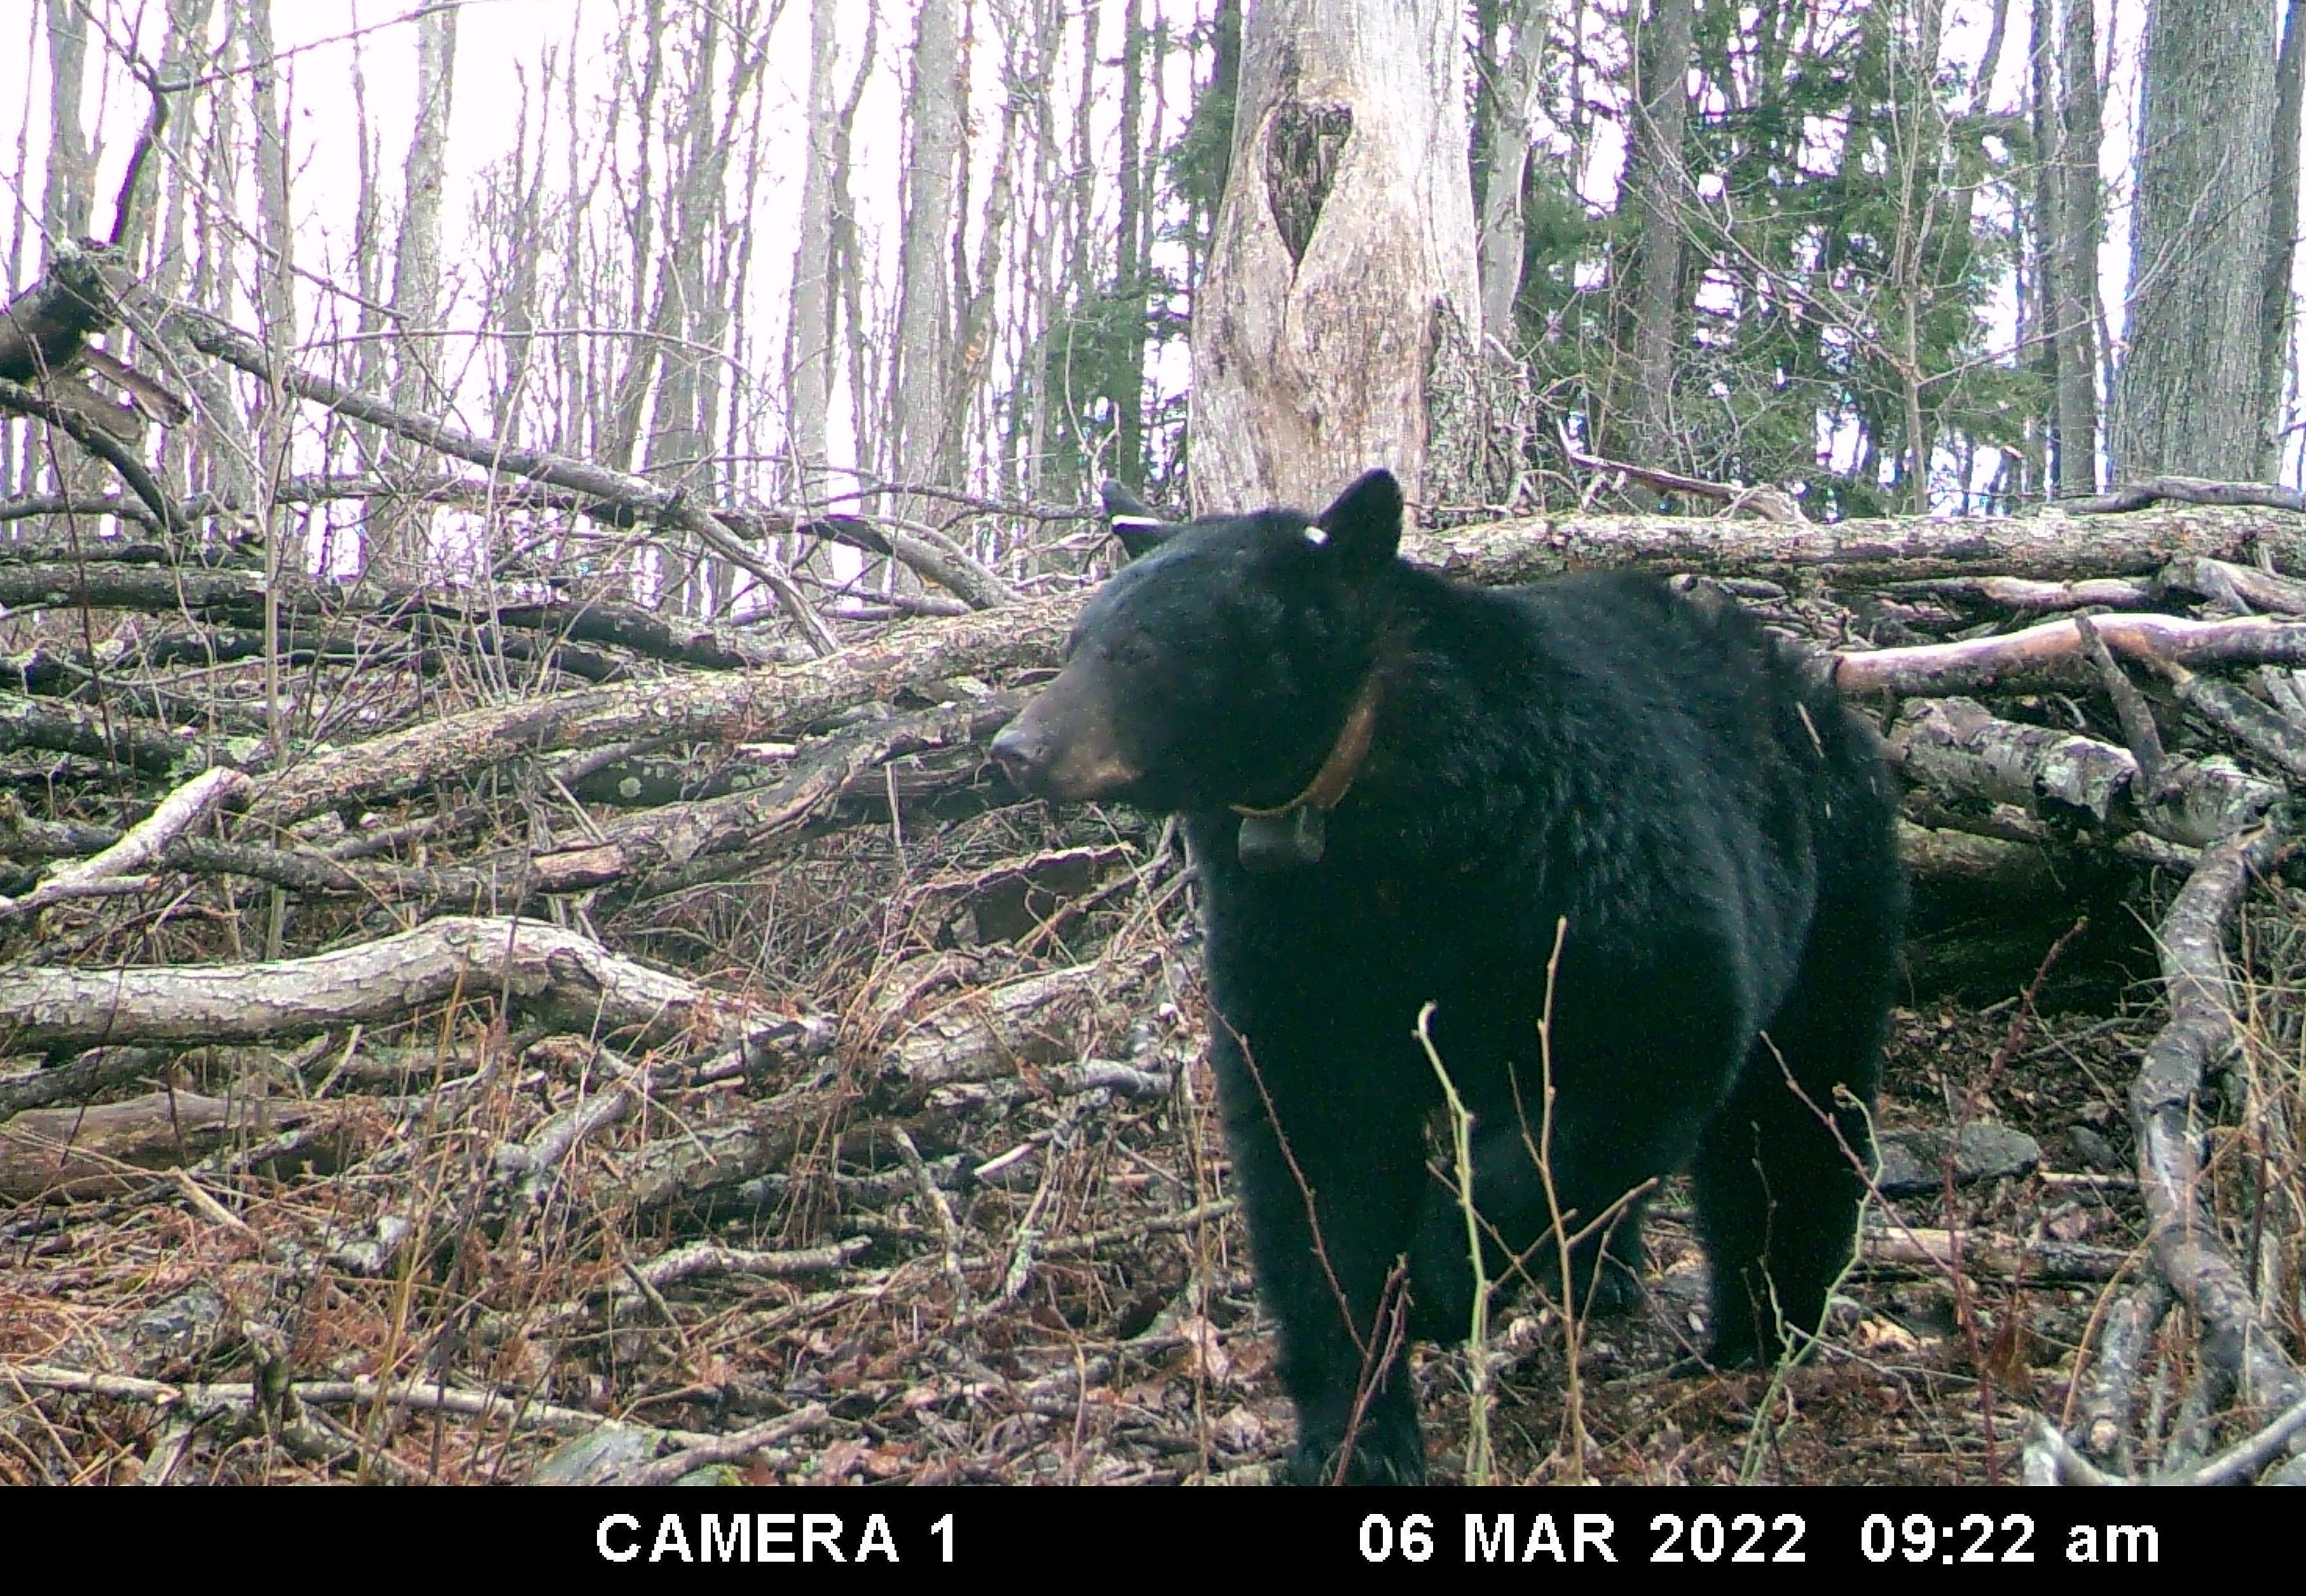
[(1115, 1345)]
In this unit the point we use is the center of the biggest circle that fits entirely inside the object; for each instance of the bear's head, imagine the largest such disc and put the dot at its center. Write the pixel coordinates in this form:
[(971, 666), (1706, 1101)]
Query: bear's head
[(1220, 665)]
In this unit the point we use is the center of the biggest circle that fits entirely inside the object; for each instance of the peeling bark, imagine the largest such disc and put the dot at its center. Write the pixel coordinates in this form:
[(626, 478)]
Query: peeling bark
[(1959, 748)]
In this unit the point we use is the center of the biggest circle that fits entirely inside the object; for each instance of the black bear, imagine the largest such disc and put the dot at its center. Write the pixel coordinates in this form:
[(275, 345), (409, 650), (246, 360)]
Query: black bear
[(1397, 789)]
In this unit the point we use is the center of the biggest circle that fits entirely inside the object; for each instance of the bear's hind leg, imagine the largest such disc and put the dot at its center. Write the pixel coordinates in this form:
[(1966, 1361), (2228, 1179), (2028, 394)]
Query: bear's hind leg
[(1779, 1187)]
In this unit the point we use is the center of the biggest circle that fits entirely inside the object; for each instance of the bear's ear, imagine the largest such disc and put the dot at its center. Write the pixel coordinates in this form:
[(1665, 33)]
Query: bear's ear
[(1132, 520), (1364, 524)]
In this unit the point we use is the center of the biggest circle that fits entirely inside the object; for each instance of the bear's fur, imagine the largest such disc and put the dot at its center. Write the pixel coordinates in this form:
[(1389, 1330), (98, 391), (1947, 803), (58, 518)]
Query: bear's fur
[(1449, 773)]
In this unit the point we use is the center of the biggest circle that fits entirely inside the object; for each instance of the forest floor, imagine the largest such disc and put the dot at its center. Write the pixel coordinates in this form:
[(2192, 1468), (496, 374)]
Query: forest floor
[(1017, 1271)]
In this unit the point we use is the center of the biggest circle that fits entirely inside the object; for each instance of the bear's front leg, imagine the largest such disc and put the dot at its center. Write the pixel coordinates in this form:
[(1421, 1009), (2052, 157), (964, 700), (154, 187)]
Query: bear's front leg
[(1331, 1196)]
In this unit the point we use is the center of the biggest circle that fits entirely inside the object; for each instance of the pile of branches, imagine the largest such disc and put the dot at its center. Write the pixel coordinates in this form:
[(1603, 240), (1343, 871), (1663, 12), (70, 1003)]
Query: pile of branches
[(383, 1015)]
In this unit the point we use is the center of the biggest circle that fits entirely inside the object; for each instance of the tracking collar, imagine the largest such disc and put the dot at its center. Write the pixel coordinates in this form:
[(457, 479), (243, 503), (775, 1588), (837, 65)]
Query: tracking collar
[(1294, 833)]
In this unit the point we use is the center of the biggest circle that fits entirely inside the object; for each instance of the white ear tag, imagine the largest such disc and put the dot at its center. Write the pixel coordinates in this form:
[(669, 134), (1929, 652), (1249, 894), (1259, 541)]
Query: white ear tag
[(1146, 522), (1316, 536)]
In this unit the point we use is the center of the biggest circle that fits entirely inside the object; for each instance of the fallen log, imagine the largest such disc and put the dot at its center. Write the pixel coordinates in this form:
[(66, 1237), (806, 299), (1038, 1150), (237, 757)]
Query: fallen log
[(83, 1078), (20, 400), (114, 1147), (630, 848), (737, 706), (567, 976), (1947, 855), (1046, 1019), (675, 833), (2184, 489), (2265, 730), (2241, 588), (64, 729), (241, 1399), (2183, 1229), (1959, 748), (2049, 546), (1933, 1251), (2017, 593), (498, 884), (2054, 652)]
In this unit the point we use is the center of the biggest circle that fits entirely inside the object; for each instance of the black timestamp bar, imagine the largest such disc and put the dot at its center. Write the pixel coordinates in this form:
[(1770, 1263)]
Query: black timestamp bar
[(642, 1536)]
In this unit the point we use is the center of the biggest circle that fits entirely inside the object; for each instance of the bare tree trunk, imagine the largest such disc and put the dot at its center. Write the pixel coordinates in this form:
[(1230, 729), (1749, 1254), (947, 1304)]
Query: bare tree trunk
[(2188, 397), (518, 208), (2037, 331), (1502, 233), (219, 454), (398, 536), (973, 324), (68, 199), (678, 435), (1653, 164), (188, 22), (809, 330), (2277, 312), (15, 433), (923, 310), (532, 964), (694, 295), (1920, 142), (1346, 234), (1026, 460), (952, 427), (847, 285), (624, 421), (1034, 42), (727, 417), (1125, 379), (283, 551), (2078, 223)]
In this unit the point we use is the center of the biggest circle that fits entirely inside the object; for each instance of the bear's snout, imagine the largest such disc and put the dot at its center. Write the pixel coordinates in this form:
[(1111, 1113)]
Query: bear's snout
[(1063, 746), (1023, 751)]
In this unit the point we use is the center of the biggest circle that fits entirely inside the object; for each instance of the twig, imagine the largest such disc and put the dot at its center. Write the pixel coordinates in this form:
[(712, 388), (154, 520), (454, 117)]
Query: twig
[(141, 846), (2243, 1458), (1477, 1332), (727, 1448), (2184, 489), (1763, 500), (94, 438), (200, 1400), (1199, 1214), (2048, 1459), (933, 1196), (709, 1257)]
